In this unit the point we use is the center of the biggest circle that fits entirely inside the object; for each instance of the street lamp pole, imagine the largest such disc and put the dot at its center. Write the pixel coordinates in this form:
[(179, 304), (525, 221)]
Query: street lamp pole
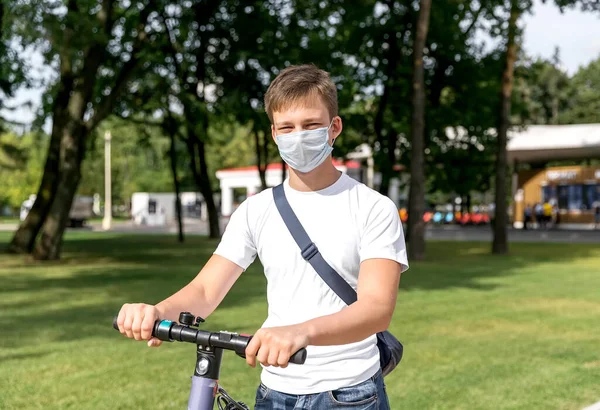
[(106, 222)]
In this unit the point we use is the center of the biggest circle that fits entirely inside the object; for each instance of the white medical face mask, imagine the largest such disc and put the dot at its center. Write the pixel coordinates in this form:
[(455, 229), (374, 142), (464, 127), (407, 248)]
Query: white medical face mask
[(305, 150)]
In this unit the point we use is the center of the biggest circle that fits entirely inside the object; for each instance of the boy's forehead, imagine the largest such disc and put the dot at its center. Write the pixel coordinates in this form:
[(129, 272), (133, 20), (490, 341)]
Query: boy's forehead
[(303, 108)]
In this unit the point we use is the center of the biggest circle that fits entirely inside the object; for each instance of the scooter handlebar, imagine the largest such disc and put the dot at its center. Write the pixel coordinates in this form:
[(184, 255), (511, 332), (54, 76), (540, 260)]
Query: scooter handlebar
[(169, 331)]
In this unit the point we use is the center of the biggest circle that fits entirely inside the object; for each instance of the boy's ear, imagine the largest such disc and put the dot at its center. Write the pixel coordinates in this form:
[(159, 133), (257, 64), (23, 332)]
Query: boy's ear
[(273, 134), (337, 128)]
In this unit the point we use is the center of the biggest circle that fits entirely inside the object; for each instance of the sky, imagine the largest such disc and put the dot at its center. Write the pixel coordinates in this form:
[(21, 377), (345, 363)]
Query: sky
[(576, 33)]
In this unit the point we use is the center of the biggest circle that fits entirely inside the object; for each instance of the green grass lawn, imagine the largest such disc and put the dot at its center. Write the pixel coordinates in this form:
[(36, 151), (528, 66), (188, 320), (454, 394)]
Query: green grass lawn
[(480, 332)]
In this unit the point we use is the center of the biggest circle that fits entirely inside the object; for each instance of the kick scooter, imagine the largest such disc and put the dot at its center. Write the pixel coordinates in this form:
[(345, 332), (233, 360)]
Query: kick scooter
[(205, 389)]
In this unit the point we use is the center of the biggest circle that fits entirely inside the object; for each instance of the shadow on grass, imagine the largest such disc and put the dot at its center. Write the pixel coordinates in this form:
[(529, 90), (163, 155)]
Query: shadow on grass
[(469, 264), (134, 268), (22, 356), (77, 297), (68, 316)]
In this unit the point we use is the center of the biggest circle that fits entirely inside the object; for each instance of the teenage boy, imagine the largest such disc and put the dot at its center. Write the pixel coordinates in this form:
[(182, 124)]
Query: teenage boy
[(357, 231)]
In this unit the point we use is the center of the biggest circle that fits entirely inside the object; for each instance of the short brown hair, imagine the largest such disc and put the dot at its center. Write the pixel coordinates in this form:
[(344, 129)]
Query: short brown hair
[(294, 83)]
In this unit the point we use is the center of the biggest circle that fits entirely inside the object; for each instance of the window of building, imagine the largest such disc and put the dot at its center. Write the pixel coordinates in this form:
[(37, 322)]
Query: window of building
[(591, 193), (563, 196), (549, 193), (575, 197), (152, 206)]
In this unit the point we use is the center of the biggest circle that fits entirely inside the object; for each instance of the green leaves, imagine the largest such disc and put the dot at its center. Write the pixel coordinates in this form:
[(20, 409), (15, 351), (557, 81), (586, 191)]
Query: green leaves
[(583, 96), (21, 163), (208, 64)]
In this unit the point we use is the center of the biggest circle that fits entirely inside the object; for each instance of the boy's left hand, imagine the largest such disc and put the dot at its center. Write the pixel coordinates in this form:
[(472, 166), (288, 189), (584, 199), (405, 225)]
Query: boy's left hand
[(273, 346)]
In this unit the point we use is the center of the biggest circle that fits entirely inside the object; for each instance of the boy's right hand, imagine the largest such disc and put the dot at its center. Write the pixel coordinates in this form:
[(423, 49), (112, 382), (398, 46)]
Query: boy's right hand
[(136, 321)]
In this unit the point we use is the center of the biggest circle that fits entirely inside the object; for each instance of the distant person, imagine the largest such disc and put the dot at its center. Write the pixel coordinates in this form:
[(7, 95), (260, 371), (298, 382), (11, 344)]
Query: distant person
[(597, 215), (527, 216), (357, 230), (198, 209), (538, 209), (547, 214)]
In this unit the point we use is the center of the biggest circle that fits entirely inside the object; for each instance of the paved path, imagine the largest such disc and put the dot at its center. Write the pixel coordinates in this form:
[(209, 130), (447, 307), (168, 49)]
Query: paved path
[(448, 233), (457, 233)]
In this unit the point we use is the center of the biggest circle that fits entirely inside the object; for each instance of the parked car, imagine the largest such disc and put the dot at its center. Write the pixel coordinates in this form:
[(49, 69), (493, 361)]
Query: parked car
[(81, 209)]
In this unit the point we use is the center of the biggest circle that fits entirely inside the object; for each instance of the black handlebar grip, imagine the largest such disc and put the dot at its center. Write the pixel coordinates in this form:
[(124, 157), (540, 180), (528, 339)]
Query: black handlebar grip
[(299, 357)]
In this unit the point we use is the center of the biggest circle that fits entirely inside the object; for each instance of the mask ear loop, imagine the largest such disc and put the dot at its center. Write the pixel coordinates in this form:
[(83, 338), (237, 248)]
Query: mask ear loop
[(330, 124)]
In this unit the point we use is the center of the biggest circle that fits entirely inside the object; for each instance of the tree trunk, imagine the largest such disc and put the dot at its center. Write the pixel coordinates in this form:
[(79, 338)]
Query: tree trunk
[(50, 244), (388, 169), (24, 239), (196, 104), (416, 200), (261, 161), (207, 192), (73, 135), (265, 146), (500, 242), (71, 151), (173, 157), (198, 165)]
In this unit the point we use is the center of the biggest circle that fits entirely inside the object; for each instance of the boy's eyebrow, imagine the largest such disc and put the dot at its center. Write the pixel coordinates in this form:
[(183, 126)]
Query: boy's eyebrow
[(279, 124)]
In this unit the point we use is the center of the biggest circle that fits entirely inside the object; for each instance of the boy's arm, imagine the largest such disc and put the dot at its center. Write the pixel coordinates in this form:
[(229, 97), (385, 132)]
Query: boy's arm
[(203, 294), (200, 297), (377, 291), (378, 283)]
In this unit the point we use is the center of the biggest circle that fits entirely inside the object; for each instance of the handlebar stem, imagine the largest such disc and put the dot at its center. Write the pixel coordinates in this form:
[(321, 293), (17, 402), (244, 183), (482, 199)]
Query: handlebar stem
[(208, 362), (205, 381)]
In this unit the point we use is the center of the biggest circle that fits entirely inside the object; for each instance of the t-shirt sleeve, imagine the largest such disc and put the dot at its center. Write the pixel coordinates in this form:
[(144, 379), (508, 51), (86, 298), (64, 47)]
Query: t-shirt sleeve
[(237, 242), (383, 236)]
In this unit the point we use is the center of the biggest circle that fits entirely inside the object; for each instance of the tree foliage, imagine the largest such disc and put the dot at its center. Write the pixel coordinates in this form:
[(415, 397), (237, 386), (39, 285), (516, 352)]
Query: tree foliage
[(21, 166), (583, 97), (198, 72)]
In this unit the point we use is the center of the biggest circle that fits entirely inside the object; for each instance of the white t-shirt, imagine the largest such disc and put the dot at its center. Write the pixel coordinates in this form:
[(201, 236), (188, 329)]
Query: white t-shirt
[(348, 222)]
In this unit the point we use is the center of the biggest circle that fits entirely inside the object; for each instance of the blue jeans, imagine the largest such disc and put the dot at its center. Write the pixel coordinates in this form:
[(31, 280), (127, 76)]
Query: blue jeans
[(368, 395)]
